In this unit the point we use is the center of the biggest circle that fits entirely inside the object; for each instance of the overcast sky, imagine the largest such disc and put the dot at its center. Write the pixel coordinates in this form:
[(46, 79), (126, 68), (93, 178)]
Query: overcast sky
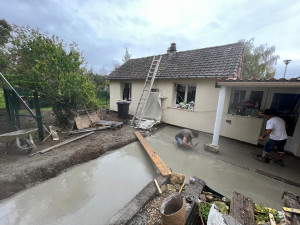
[(103, 29)]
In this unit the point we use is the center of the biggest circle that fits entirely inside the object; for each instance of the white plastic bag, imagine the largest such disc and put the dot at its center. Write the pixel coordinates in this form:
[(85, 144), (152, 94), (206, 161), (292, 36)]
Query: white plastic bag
[(214, 217)]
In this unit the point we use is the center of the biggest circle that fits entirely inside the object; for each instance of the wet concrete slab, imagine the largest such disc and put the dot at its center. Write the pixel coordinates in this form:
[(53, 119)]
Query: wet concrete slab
[(232, 169), (94, 192), (87, 194)]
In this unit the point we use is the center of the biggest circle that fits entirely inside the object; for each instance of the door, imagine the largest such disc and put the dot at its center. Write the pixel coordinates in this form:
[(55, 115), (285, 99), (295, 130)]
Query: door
[(287, 103)]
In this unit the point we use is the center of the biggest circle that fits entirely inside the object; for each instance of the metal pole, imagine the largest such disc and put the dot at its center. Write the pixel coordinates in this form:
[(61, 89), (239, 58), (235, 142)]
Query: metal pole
[(24, 103), (38, 115), (285, 70)]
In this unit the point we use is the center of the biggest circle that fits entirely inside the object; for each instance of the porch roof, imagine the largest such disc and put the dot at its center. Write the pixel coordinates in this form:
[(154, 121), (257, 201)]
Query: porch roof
[(272, 82)]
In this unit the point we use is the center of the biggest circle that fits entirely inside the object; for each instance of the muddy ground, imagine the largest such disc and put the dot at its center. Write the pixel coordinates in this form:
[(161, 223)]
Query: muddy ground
[(19, 171)]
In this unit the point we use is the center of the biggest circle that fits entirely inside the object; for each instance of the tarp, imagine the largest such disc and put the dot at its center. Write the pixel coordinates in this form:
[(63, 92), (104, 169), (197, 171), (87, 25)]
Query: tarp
[(153, 109)]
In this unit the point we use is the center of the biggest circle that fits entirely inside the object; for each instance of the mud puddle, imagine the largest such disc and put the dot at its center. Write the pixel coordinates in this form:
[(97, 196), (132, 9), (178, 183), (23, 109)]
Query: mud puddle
[(87, 194)]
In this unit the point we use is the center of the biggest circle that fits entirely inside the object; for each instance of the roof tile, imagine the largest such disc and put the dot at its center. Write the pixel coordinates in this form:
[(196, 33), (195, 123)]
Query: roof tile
[(214, 61)]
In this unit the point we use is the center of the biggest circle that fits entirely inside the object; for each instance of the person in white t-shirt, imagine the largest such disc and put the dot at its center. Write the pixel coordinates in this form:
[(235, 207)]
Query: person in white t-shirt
[(276, 128)]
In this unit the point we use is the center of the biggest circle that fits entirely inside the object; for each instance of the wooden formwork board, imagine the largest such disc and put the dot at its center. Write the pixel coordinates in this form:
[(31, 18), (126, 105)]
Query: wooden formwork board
[(161, 166)]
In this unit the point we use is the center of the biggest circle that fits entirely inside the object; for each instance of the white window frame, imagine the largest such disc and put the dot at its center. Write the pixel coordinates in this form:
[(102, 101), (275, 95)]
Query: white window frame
[(185, 93)]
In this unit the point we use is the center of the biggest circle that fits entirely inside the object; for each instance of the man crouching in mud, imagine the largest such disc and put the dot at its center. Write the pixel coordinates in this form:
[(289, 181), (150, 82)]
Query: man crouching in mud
[(184, 138)]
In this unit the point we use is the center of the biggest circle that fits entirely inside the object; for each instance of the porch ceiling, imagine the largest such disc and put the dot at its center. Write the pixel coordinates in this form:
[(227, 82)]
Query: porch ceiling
[(233, 82)]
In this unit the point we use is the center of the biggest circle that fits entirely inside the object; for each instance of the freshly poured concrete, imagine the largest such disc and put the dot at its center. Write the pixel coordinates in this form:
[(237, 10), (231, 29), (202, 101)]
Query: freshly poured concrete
[(87, 194), (232, 169), (93, 192)]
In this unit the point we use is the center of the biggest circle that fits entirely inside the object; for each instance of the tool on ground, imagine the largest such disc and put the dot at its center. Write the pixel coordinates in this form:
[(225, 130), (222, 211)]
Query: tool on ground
[(158, 188), (139, 113), (291, 210)]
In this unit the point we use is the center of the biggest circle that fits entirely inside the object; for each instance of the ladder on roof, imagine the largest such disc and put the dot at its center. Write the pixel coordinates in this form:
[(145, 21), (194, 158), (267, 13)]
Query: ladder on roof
[(139, 113)]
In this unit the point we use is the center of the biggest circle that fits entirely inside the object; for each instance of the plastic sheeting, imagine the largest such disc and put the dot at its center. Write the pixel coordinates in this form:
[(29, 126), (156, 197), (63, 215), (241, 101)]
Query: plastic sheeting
[(153, 109)]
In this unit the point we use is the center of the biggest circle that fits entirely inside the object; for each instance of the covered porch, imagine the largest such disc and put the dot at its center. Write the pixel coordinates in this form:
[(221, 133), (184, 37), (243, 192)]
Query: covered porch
[(240, 105)]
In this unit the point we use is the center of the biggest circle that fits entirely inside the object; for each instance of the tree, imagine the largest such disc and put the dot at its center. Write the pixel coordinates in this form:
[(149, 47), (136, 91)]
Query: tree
[(126, 57), (5, 34), (42, 64), (258, 62), (5, 30)]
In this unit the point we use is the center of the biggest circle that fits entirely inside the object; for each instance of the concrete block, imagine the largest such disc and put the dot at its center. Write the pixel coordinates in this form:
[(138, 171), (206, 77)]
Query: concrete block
[(211, 148)]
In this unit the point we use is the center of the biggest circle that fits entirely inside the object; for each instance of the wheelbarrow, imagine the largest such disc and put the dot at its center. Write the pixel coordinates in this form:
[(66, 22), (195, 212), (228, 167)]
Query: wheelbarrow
[(22, 138)]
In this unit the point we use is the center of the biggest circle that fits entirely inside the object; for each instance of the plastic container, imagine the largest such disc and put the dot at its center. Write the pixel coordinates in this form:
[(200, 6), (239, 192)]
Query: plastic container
[(123, 107), (173, 210)]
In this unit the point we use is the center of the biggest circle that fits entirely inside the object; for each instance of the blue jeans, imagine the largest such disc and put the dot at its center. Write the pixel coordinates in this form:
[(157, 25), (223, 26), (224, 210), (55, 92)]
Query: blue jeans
[(272, 143), (179, 141)]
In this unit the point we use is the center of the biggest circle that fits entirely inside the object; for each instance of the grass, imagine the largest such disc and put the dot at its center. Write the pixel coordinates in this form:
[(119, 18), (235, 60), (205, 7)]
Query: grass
[(103, 103)]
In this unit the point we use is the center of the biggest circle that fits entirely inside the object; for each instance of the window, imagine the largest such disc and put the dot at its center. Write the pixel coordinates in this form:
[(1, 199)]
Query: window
[(245, 102), (126, 91), (185, 96)]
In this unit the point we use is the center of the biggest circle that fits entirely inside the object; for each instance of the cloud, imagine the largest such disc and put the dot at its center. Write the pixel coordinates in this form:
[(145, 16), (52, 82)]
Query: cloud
[(103, 29)]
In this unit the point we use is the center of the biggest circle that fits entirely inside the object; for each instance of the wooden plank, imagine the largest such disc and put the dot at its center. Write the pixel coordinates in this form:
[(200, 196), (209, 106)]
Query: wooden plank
[(277, 177), (82, 122), (60, 144), (242, 209), (94, 118), (162, 167)]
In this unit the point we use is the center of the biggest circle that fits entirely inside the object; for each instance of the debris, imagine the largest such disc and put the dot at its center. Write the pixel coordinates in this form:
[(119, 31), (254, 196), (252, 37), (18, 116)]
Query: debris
[(173, 187), (181, 187), (60, 144), (297, 211), (155, 181), (277, 177), (46, 137), (177, 178), (54, 134), (272, 220), (88, 130), (147, 124), (242, 208), (56, 128), (203, 198)]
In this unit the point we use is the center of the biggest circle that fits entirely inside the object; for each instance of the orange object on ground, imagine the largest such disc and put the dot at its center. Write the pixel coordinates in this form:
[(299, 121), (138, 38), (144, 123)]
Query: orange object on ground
[(162, 167)]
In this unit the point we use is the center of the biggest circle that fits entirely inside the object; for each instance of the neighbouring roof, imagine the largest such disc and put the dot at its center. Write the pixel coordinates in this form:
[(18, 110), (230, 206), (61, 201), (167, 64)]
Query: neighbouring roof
[(264, 82), (219, 61)]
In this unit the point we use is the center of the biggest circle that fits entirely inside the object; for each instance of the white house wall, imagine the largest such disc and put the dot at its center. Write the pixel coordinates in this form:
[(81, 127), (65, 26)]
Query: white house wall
[(202, 118)]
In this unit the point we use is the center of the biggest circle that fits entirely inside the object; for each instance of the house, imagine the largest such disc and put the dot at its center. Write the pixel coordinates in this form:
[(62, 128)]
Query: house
[(194, 78)]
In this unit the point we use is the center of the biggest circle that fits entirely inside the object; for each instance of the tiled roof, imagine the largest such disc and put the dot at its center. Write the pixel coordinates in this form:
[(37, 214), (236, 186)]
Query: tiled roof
[(219, 61)]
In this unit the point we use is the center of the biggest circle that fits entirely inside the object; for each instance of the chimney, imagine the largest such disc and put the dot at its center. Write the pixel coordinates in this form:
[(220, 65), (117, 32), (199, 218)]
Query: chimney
[(172, 49)]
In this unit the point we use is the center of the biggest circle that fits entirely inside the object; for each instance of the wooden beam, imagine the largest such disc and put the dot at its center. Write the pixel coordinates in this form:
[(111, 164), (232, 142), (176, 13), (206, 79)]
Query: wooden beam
[(162, 167)]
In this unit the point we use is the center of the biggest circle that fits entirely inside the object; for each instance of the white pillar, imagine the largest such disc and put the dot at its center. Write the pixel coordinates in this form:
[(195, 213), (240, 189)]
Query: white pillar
[(219, 115)]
